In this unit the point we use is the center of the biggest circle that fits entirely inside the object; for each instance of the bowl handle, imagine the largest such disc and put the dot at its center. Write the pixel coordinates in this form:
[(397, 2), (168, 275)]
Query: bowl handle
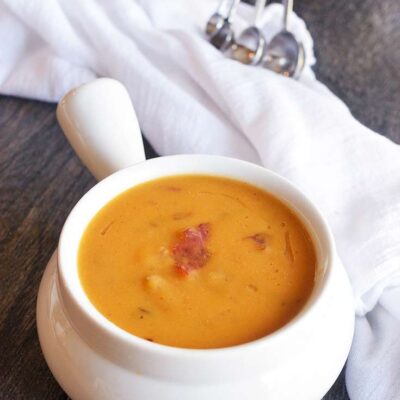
[(100, 123)]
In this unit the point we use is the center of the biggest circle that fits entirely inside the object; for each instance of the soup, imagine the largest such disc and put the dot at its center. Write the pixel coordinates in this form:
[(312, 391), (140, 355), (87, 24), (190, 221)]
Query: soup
[(197, 261)]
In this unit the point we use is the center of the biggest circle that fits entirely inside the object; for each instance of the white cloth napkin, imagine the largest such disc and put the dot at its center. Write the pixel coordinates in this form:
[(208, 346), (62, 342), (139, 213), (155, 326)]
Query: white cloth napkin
[(190, 98)]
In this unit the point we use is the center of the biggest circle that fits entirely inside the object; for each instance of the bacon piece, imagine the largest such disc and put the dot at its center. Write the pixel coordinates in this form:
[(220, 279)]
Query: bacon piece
[(190, 252), (260, 240)]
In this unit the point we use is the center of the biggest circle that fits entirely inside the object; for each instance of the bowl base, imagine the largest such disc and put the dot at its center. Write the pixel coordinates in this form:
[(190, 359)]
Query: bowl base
[(84, 374)]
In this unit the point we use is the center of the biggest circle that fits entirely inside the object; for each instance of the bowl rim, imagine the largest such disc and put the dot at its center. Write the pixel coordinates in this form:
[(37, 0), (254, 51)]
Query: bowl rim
[(105, 326)]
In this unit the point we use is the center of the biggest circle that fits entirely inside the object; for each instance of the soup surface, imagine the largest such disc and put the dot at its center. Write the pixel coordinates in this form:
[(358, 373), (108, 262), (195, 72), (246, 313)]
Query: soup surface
[(197, 261)]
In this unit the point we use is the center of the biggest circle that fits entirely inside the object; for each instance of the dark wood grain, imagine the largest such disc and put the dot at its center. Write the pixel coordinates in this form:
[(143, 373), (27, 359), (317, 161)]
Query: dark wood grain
[(41, 179), (358, 52)]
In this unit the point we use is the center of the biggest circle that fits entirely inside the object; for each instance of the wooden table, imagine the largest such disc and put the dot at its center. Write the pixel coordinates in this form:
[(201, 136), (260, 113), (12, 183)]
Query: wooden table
[(41, 179)]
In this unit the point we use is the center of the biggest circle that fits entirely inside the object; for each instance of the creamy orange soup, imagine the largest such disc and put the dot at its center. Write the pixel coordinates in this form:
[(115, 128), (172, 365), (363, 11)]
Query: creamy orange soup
[(197, 261)]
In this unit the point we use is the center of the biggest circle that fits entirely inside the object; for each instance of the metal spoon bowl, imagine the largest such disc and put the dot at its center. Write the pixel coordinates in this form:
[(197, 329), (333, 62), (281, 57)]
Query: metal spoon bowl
[(215, 23), (282, 54), (249, 46), (223, 38), (219, 27)]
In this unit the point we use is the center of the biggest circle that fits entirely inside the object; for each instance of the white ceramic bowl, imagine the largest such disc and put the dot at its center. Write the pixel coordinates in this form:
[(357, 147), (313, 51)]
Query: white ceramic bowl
[(92, 358)]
